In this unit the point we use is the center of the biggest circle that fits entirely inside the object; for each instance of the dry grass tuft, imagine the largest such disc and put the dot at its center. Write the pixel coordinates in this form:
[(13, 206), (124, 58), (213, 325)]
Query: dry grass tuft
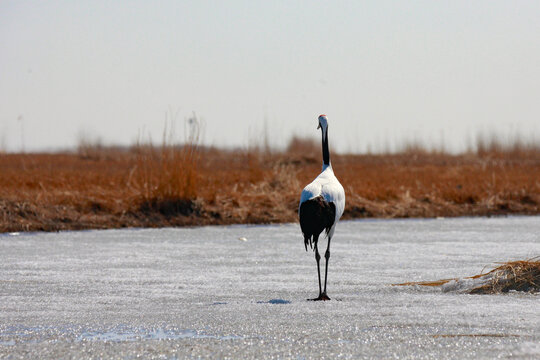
[(495, 146), (522, 275), (302, 145), (167, 178)]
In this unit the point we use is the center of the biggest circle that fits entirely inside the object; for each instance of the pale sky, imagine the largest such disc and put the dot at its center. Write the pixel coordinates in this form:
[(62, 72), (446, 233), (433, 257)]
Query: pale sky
[(383, 71)]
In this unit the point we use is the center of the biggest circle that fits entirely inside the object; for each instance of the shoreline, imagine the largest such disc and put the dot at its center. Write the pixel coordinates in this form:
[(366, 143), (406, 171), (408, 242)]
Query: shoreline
[(105, 221), (172, 186)]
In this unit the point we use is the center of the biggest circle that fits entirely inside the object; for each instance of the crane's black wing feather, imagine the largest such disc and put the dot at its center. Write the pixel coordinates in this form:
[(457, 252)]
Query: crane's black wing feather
[(316, 215)]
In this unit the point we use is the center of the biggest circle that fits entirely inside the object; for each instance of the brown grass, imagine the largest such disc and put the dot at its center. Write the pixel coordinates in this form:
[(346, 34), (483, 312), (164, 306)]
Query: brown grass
[(166, 179), (174, 185), (522, 275)]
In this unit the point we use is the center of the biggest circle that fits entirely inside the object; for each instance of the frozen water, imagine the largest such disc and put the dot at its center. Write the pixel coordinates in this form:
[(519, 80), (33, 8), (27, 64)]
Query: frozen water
[(200, 292)]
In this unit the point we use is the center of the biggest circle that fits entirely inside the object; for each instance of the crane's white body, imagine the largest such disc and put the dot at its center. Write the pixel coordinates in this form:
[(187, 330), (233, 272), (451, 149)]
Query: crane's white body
[(327, 186)]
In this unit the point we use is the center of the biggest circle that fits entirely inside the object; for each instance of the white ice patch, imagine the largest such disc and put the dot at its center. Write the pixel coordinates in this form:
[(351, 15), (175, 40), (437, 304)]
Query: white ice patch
[(131, 334), (465, 285), (529, 349)]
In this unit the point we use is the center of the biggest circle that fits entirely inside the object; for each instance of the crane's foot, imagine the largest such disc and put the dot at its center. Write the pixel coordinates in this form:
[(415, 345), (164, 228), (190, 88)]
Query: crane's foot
[(322, 297)]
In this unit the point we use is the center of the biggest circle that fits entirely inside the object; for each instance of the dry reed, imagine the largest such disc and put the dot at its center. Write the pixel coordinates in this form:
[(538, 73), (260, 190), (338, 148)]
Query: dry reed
[(521, 275), (188, 184), (167, 178)]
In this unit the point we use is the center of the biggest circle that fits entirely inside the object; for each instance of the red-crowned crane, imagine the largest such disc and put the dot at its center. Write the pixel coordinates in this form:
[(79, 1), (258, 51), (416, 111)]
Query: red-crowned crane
[(321, 205)]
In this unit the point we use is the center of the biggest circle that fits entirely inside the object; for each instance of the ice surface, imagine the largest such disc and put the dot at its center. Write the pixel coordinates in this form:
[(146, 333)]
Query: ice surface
[(200, 292)]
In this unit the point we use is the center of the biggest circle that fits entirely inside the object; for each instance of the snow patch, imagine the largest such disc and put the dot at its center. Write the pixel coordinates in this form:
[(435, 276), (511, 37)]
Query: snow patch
[(129, 335), (465, 285)]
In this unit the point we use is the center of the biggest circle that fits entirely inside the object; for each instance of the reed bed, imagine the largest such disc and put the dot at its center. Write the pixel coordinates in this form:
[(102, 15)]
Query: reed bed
[(178, 184)]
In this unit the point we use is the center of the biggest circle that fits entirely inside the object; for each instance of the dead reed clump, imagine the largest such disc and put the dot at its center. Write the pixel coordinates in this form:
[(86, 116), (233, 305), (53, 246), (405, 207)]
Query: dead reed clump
[(167, 179), (303, 145), (494, 146), (521, 275), (89, 149)]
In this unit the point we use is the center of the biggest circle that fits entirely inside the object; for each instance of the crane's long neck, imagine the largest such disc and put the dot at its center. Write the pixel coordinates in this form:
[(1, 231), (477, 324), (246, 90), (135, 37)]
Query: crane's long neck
[(325, 151)]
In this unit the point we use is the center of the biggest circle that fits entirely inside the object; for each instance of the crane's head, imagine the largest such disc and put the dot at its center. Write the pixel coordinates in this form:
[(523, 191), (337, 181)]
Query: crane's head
[(323, 122)]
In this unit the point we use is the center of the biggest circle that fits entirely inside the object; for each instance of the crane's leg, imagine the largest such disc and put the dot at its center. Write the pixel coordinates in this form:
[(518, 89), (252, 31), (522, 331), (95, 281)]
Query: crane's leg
[(318, 259), (323, 296)]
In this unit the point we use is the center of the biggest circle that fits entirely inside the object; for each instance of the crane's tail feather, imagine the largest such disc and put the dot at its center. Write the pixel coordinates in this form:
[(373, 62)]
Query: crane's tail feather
[(308, 240)]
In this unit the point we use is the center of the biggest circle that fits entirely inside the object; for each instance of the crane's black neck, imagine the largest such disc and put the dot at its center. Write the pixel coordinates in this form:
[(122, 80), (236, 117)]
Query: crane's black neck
[(325, 151)]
